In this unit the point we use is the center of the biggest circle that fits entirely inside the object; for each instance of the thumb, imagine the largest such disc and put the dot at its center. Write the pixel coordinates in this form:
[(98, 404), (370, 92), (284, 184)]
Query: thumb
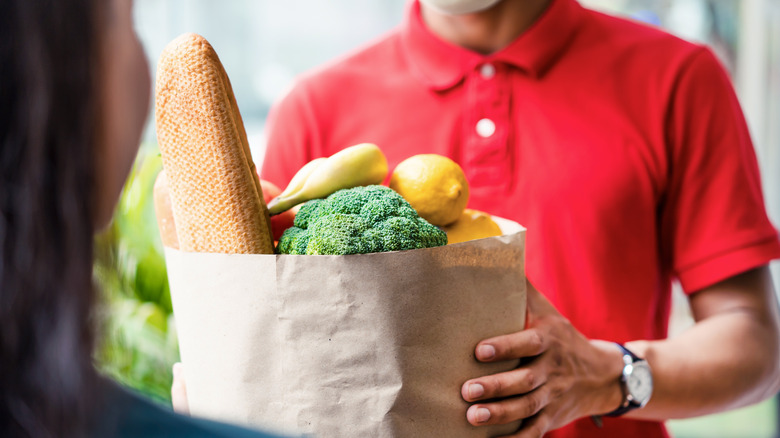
[(538, 304)]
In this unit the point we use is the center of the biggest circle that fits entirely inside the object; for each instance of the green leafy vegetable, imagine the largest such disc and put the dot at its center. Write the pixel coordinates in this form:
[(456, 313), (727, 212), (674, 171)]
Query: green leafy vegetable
[(357, 221)]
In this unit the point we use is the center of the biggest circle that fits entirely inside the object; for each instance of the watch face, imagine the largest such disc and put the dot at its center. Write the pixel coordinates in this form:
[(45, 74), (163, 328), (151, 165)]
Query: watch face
[(639, 383)]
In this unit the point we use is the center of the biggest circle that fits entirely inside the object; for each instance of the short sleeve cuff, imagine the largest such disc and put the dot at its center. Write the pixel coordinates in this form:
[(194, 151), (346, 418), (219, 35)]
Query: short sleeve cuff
[(728, 264)]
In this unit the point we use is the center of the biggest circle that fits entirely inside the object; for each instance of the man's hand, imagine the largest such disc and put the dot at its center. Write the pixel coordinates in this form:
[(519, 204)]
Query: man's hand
[(563, 376), (728, 359), (179, 390)]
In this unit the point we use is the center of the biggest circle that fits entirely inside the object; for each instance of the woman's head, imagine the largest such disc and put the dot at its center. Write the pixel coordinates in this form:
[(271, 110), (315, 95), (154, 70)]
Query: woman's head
[(66, 142)]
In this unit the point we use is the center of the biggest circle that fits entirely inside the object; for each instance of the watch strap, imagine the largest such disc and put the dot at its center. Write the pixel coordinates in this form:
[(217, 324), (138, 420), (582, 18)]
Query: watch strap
[(626, 351), (628, 404)]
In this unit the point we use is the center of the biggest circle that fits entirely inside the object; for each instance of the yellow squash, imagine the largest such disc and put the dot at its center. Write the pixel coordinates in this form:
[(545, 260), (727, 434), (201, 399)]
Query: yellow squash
[(358, 165)]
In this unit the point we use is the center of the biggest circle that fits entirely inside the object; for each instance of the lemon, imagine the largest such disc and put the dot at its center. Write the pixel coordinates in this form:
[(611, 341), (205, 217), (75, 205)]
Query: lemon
[(473, 224), (434, 185)]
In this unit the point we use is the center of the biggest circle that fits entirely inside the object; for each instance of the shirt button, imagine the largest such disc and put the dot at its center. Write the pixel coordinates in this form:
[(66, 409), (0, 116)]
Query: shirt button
[(487, 71), (486, 128)]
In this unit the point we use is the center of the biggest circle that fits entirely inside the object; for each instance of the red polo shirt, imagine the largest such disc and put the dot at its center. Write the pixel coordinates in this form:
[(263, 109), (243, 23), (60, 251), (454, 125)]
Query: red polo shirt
[(622, 149)]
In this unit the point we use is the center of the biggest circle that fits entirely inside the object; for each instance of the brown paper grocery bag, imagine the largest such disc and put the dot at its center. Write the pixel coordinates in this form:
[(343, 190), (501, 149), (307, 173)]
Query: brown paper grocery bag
[(368, 345)]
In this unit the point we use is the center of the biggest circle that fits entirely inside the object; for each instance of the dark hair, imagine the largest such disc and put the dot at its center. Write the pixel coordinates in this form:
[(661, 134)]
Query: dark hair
[(48, 98)]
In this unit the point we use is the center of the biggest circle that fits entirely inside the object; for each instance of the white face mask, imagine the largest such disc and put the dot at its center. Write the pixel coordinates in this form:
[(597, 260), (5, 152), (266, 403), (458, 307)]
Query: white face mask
[(455, 7)]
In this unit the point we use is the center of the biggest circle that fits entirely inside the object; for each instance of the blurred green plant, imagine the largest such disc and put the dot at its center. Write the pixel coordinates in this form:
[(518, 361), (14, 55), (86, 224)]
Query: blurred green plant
[(137, 344)]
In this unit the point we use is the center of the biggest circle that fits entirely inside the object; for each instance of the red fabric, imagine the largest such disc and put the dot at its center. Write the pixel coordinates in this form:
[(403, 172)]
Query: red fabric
[(622, 149)]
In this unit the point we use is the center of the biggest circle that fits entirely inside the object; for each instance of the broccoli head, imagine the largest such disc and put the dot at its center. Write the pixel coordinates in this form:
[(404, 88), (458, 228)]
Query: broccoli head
[(359, 220)]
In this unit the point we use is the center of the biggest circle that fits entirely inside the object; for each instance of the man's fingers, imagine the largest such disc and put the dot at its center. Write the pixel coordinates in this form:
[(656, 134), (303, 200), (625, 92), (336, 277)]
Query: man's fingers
[(508, 410), (179, 390), (506, 384), (526, 343)]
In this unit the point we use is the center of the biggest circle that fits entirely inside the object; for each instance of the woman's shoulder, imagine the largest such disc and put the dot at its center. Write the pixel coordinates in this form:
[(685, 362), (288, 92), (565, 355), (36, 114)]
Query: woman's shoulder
[(123, 414)]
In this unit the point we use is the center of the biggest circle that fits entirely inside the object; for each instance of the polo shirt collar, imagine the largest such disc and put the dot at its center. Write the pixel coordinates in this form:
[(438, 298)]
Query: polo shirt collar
[(442, 65)]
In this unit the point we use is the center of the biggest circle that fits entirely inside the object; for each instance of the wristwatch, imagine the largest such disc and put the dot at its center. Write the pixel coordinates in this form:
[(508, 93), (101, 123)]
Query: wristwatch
[(636, 382)]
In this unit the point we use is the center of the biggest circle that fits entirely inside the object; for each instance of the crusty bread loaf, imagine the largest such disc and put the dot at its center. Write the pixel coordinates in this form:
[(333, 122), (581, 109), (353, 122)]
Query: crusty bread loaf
[(164, 212), (215, 193)]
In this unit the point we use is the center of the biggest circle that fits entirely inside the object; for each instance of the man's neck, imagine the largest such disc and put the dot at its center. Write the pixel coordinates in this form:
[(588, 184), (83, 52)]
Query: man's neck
[(486, 31)]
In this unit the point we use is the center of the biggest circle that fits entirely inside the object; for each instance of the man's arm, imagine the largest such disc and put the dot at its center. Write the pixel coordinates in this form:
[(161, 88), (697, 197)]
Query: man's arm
[(730, 358)]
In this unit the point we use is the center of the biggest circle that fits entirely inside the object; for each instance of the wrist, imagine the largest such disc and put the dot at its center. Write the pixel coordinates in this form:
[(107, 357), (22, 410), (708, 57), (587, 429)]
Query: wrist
[(609, 391)]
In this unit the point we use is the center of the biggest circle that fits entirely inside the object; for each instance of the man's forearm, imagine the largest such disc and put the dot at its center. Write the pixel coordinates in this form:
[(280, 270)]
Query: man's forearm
[(728, 359), (714, 366)]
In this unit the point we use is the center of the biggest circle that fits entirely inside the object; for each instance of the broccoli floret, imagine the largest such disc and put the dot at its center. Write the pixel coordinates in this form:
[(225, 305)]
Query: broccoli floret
[(294, 240), (336, 234), (351, 201), (344, 201), (430, 235), (399, 233), (358, 221), (380, 209), (372, 241), (307, 211)]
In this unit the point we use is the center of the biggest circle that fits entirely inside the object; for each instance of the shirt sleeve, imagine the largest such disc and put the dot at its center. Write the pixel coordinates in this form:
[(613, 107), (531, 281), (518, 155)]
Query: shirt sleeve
[(292, 138), (713, 219)]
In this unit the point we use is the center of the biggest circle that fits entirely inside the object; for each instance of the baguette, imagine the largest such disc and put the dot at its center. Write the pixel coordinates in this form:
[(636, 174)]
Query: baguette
[(215, 192)]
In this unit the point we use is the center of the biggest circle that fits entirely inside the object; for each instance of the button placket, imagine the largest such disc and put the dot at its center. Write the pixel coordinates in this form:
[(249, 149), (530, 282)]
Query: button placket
[(487, 156)]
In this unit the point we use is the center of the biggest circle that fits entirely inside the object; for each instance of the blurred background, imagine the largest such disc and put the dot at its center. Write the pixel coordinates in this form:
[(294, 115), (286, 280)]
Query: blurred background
[(265, 44)]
